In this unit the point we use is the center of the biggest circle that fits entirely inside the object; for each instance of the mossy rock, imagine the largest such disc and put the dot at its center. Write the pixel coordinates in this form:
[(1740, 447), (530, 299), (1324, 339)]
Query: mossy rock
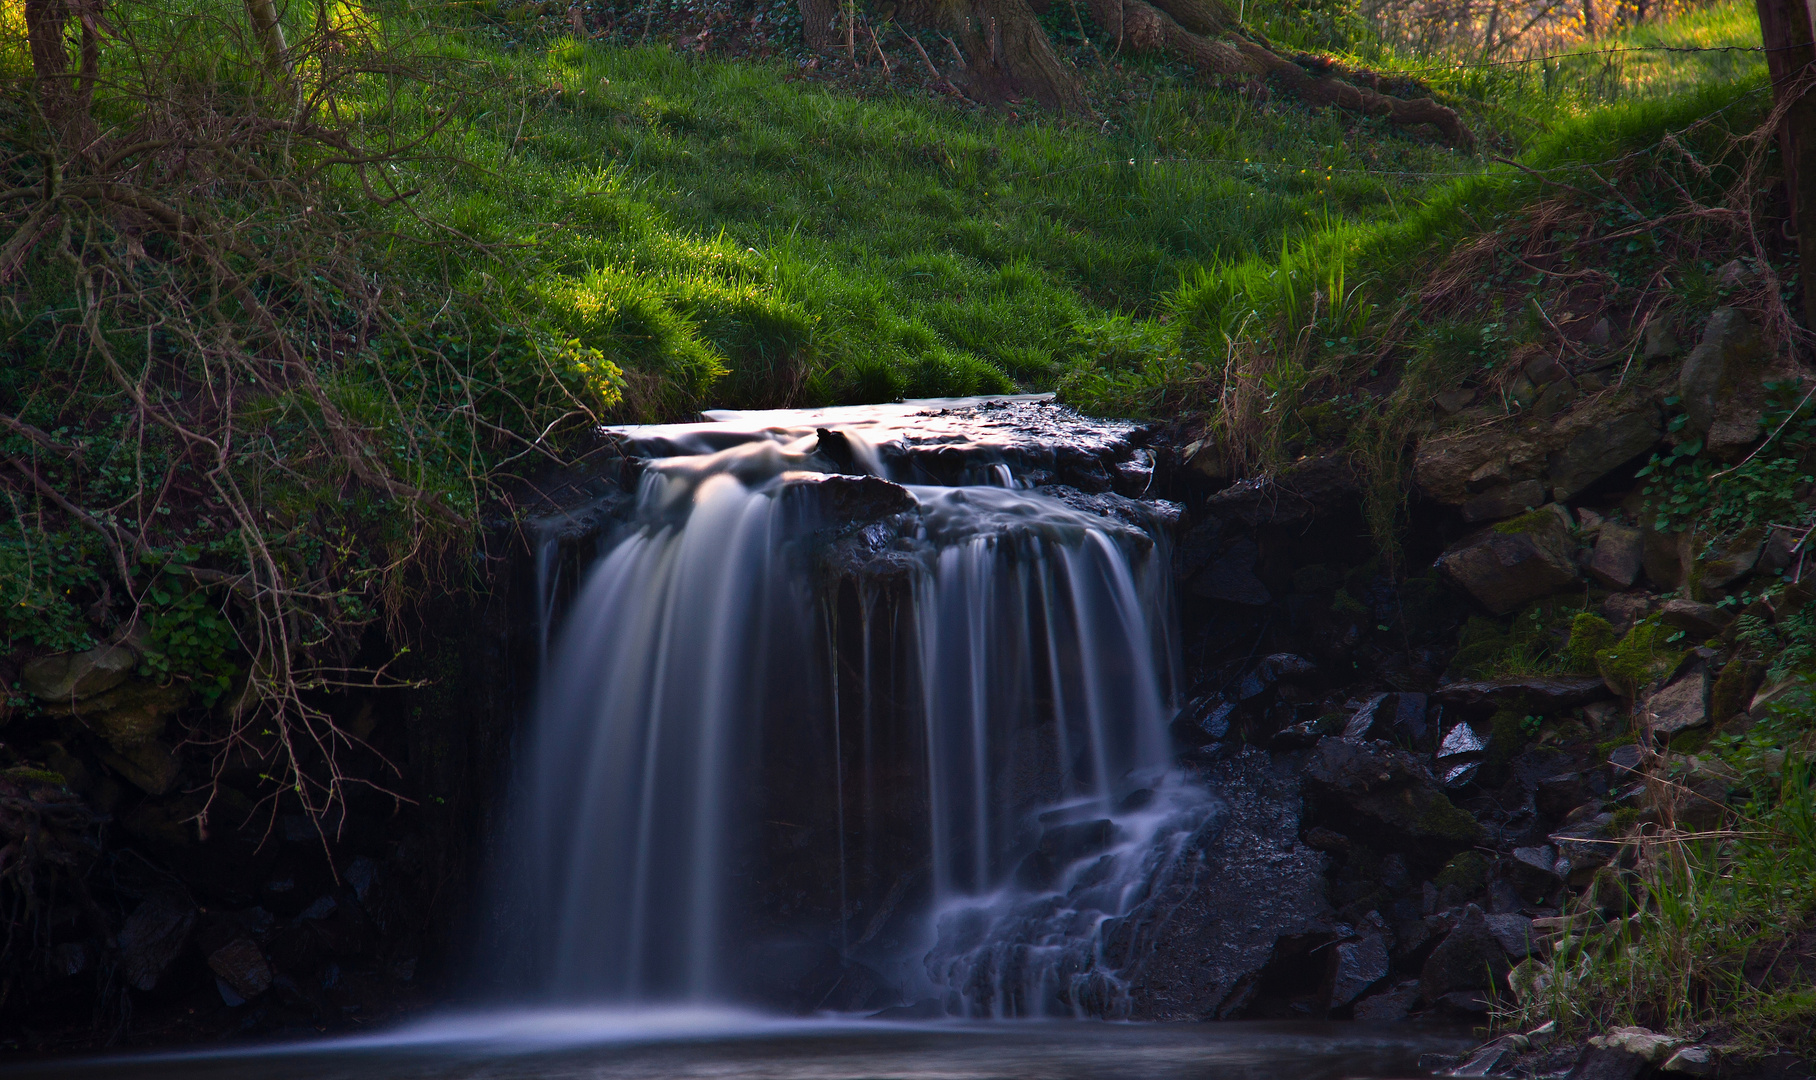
[(1532, 521), (1637, 659), (1446, 820), (1734, 689), (1590, 634), (1468, 871)]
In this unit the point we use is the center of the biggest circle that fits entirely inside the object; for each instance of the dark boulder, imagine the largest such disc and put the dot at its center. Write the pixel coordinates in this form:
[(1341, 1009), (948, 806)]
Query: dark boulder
[(1359, 967), (1392, 791), (1601, 448), (1394, 1004), (154, 936), (1537, 694), (242, 967), (1514, 563), (1198, 948), (1470, 959)]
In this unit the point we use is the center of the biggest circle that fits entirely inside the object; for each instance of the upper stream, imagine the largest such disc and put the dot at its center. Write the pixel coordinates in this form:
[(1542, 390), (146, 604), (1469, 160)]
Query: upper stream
[(858, 708)]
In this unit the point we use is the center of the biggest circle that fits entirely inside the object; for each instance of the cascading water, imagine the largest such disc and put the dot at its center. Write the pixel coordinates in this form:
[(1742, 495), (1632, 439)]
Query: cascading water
[(960, 689)]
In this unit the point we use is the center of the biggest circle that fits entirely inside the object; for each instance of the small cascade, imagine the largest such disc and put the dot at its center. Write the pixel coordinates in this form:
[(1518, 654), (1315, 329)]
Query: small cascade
[(815, 731)]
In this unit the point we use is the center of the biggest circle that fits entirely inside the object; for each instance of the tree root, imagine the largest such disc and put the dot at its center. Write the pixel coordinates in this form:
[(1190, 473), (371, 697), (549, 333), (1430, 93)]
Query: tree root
[(1184, 28)]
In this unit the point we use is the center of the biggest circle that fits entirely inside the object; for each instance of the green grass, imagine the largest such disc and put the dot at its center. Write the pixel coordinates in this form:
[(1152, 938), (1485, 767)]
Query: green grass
[(917, 248)]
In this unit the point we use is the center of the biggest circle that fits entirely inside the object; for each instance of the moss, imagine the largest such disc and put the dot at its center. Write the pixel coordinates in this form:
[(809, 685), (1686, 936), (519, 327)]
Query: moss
[(1345, 604), (1603, 749), (1589, 634), (1626, 819), (1638, 658), (1479, 647), (1444, 820), (1530, 522), (30, 775), (1467, 871), (1734, 688), (1507, 736), (1690, 742)]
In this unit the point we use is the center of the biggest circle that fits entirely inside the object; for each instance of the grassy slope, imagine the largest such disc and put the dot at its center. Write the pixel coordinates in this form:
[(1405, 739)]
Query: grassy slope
[(916, 248)]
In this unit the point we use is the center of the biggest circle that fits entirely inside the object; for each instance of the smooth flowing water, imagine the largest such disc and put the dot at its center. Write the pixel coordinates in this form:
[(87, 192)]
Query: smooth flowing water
[(717, 1045), (962, 726)]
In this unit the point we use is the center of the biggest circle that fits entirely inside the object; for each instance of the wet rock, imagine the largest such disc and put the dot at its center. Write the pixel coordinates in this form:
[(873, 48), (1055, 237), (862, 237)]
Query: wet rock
[(1504, 502), (1360, 965), (63, 677), (1626, 759), (1697, 620), (1197, 948), (1271, 671), (242, 967), (1461, 740), (1537, 694), (154, 935), (1394, 1004), (1617, 560), (1135, 476), (151, 767), (1202, 719), (847, 500), (1681, 705), (1362, 721), (1398, 718), (1469, 959), (1061, 846), (1511, 564), (1600, 449), (1390, 789)]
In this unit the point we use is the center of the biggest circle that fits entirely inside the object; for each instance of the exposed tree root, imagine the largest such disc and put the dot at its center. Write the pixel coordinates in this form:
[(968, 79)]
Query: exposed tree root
[(1183, 28), (1007, 55)]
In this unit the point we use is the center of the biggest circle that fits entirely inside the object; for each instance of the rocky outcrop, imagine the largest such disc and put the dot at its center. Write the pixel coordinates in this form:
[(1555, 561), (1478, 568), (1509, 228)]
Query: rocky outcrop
[(1200, 949), (1509, 565)]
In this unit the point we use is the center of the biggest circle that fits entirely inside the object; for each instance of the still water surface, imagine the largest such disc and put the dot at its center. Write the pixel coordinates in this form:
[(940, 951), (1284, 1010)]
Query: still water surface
[(721, 1045)]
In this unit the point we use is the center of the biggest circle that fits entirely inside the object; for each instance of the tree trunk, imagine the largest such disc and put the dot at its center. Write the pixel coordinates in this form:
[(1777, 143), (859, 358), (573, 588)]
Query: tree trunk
[(64, 95), (1009, 52), (820, 24), (1785, 27), (270, 33)]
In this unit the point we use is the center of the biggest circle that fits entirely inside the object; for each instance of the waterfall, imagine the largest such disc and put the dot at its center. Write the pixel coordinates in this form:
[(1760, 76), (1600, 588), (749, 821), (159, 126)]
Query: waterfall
[(835, 742)]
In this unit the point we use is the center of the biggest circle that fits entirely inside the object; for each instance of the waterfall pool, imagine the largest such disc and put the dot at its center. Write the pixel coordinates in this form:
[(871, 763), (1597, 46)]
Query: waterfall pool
[(685, 1044)]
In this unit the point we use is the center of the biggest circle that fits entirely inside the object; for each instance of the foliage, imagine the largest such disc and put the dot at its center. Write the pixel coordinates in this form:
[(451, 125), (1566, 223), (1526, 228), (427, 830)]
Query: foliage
[(1718, 937)]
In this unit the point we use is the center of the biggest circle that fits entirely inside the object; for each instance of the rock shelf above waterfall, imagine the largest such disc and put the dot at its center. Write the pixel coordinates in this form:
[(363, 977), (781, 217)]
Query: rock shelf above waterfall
[(1029, 439)]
